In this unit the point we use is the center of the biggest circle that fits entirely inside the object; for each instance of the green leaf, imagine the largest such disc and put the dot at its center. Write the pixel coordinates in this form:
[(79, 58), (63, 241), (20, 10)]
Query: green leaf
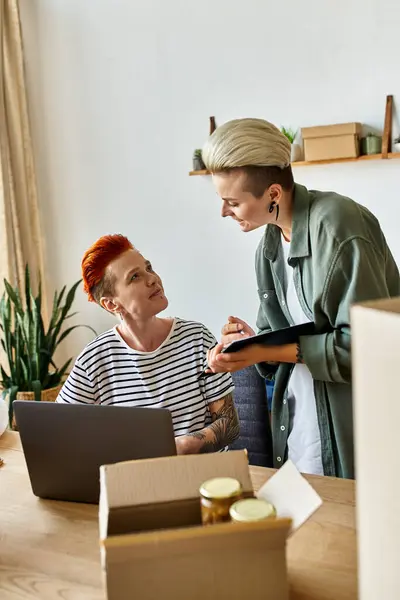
[(61, 296), (13, 391), (47, 357), (38, 299), (27, 289), (5, 379), (64, 368), (54, 380), (25, 373), (289, 133), (26, 342), (35, 341), (13, 295), (54, 315), (37, 389), (64, 311), (68, 331), (71, 315)]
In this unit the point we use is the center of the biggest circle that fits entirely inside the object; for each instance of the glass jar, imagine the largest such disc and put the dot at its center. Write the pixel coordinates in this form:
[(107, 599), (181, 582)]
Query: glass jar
[(216, 497), (250, 510)]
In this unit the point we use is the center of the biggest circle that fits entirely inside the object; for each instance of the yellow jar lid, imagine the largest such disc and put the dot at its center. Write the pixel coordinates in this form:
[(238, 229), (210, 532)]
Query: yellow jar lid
[(251, 509), (220, 487)]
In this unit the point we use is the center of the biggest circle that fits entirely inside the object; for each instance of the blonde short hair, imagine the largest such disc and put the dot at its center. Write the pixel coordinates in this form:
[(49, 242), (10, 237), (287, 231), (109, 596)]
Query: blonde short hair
[(246, 142)]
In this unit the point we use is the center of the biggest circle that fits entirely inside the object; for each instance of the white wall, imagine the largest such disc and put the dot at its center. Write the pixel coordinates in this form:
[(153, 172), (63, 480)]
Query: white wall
[(120, 93)]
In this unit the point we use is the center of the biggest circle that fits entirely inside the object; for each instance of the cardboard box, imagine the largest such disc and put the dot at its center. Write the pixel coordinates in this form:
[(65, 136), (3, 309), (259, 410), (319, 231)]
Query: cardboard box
[(331, 141), (166, 553), (375, 356), (154, 546)]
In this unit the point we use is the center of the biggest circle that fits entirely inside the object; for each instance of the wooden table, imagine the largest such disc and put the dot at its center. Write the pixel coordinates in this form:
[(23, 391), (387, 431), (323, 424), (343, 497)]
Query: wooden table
[(50, 551)]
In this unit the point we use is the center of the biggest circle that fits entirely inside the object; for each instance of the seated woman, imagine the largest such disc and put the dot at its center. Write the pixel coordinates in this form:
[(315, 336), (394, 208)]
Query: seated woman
[(147, 360)]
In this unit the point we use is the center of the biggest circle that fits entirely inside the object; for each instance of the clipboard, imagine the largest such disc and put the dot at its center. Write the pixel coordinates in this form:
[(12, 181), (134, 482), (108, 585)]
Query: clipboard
[(278, 337)]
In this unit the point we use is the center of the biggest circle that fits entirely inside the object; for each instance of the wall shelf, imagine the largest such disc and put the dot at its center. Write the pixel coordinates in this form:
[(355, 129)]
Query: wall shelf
[(305, 163), (204, 172)]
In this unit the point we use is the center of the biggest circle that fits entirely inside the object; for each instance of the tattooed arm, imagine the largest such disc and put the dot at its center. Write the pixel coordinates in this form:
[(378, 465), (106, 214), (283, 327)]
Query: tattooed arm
[(223, 430)]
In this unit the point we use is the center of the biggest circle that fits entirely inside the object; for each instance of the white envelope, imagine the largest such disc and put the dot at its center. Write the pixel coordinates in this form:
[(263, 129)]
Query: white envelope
[(291, 494)]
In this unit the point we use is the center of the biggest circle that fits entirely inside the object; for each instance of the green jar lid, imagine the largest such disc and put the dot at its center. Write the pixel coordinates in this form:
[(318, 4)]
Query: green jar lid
[(220, 487), (251, 509)]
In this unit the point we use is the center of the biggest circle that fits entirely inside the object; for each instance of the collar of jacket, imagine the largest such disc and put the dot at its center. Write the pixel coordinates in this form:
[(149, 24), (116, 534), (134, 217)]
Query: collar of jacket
[(300, 242)]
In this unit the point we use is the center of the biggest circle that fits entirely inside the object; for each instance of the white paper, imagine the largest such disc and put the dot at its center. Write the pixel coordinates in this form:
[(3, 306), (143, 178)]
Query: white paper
[(291, 494)]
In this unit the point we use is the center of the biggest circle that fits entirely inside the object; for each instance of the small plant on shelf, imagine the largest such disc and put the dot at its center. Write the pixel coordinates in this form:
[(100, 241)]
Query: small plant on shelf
[(289, 133), (296, 152), (198, 164)]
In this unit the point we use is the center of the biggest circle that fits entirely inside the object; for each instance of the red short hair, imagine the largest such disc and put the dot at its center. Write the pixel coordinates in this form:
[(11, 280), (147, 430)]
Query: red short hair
[(96, 260)]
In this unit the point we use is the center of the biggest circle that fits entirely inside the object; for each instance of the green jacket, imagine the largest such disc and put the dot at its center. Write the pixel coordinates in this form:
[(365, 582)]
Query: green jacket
[(340, 257)]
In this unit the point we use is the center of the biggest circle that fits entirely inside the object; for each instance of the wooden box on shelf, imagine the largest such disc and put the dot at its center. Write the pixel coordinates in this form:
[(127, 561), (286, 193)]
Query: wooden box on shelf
[(330, 142)]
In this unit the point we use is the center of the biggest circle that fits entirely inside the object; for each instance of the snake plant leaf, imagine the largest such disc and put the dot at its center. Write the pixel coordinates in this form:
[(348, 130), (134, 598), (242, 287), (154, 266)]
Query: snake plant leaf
[(64, 311), (13, 391), (13, 295), (25, 373), (27, 289), (30, 346), (37, 389), (68, 331), (38, 299), (62, 370), (6, 380)]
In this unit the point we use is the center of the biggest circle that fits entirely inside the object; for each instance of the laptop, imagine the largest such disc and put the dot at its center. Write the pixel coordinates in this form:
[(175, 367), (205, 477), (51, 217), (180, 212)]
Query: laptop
[(65, 444)]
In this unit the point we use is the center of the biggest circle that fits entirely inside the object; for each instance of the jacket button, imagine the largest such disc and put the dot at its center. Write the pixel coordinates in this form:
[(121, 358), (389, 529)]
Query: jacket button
[(265, 296)]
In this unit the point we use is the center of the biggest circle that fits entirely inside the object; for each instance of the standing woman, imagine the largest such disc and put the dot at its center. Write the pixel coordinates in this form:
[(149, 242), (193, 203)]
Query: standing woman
[(320, 253)]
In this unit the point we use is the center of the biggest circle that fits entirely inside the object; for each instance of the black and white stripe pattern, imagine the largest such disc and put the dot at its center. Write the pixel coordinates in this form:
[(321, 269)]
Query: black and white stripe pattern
[(108, 371)]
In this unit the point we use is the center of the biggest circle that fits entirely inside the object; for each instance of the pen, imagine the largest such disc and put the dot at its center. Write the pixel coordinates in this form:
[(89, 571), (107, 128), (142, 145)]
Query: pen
[(205, 374)]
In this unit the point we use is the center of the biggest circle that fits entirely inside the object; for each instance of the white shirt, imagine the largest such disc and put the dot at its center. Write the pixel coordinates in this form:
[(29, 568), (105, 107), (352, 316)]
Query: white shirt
[(108, 371), (304, 441)]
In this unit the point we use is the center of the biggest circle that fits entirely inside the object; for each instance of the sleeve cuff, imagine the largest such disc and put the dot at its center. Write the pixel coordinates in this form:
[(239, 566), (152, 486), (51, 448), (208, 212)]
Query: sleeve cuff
[(267, 371), (319, 356)]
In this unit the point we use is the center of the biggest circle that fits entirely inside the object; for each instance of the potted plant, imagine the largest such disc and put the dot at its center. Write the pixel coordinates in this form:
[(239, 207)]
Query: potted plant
[(296, 153), (396, 144), (198, 164), (29, 347), (372, 144)]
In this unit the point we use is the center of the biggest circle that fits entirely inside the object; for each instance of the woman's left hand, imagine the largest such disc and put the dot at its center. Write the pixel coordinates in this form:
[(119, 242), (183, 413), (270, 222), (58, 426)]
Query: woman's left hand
[(235, 361)]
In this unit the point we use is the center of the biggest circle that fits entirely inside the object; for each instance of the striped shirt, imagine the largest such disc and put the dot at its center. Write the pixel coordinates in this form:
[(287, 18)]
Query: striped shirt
[(108, 371)]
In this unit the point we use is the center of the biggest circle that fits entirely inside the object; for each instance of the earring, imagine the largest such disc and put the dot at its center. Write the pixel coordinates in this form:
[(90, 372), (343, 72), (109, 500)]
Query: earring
[(272, 207)]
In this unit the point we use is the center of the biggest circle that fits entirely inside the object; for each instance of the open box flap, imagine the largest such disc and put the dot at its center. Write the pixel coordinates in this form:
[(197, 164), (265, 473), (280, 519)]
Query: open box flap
[(168, 479), (129, 488)]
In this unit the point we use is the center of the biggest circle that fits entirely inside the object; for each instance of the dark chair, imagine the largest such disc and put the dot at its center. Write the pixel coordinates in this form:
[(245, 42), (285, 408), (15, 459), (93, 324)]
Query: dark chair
[(250, 398)]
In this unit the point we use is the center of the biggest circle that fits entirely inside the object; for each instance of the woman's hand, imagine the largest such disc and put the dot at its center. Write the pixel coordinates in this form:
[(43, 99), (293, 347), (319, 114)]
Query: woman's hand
[(252, 355), (235, 329), (228, 363)]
